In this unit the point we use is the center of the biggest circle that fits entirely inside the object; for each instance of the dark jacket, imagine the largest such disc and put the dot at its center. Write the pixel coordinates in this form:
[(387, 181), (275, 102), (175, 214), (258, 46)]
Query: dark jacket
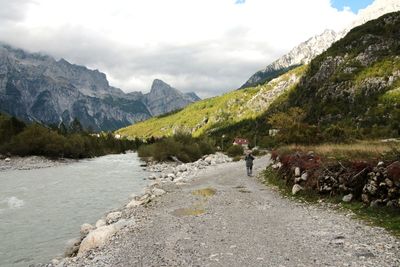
[(249, 160)]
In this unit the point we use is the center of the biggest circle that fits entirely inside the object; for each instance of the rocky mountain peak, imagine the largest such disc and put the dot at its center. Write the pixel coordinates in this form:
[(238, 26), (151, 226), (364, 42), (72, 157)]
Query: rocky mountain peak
[(160, 86), (306, 51)]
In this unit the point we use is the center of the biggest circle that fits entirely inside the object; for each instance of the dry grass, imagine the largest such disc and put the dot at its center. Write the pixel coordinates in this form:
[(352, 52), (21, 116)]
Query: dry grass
[(359, 150)]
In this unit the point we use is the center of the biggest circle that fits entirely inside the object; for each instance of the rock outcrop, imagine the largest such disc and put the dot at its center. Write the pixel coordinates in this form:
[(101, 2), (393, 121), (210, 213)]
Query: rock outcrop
[(163, 98), (306, 51)]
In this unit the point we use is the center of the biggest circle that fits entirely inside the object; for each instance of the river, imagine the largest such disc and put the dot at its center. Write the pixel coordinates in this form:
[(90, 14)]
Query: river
[(41, 209)]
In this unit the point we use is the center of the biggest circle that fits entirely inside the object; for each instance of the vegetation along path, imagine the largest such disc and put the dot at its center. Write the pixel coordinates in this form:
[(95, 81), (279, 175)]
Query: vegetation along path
[(224, 218)]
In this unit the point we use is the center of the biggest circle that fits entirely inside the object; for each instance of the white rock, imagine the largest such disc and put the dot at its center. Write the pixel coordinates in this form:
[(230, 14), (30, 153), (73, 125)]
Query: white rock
[(152, 177), (113, 217), (380, 163), (279, 165), (7, 159), (171, 176), (158, 192), (347, 198), (304, 176), (296, 188), (208, 160), (97, 238), (297, 180), (297, 171), (86, 228), (134, 203), (72, 247), (100, 223)]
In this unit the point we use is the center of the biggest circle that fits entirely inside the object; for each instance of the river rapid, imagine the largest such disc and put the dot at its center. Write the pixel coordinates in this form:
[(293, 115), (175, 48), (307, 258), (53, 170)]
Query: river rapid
[(41, 209)]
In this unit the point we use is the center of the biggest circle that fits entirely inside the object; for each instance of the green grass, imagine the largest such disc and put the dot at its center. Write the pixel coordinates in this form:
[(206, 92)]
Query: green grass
[(385, 217)]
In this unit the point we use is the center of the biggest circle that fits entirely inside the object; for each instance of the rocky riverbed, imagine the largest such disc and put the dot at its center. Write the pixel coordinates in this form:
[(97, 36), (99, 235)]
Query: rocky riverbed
[(29, 163), (217, 216)]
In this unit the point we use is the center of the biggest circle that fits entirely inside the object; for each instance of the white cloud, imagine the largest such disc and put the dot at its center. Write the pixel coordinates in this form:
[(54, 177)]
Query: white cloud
[(208, 46)]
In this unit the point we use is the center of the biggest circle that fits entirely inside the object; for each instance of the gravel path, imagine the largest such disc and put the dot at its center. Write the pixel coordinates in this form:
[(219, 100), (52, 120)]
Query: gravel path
[(244, 223)]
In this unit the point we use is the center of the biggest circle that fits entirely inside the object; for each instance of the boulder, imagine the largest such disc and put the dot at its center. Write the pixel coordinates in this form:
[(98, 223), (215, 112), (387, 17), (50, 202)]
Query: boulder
[(347, 198), (304, 176), (296, 188), (380, 164), (365, 198), (85, 229), (134, 203), (152, 177), (158, 192), (100, 223), (171, 176), (97, 238), (208, 160), (297, 171), (7, 159), (389, 182), (376, 203), (113, 217), (72, 247)]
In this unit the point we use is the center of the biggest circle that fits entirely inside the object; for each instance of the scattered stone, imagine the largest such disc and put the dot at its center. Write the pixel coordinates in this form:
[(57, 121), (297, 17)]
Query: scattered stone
[(134, 203), (297, 171), (296, 188), (85, 229), (113, 217), (304, 176), (7, 159), (100, 223), (380, 164), (158, 192), (72, 247), (152, 177), (347, 198), (365, 198)]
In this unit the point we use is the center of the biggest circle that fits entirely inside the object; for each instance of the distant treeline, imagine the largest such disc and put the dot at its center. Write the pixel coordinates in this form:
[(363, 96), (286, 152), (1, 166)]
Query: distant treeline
[(72, 141)]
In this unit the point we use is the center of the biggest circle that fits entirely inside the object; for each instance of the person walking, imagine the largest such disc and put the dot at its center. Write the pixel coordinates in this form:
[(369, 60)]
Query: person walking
[(249, 163)]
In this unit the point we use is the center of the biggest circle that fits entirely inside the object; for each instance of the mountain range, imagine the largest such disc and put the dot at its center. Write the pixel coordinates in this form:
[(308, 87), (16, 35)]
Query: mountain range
[(306, 51), (354, 84), (36, 87)]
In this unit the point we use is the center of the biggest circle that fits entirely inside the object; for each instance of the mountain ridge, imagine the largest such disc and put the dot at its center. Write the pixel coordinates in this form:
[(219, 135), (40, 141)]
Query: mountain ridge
[(36, 87)]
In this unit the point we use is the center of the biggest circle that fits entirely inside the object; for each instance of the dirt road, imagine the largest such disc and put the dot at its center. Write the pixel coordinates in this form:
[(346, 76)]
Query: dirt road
[(224, 218)]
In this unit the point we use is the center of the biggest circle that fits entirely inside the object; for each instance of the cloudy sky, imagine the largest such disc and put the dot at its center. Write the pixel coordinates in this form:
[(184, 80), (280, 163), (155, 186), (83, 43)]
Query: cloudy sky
[(206, 46)]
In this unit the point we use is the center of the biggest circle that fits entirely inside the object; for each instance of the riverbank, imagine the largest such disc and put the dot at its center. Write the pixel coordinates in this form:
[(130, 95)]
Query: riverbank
[(31, 162), (221, 217)]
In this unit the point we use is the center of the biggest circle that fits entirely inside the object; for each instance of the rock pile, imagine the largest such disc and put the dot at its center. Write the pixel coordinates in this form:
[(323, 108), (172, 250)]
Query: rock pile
[(374, 185), (178, 173)]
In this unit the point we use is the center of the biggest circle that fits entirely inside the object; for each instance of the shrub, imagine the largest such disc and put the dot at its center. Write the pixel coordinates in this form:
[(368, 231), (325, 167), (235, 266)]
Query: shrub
[(182, 146), (235, 150)]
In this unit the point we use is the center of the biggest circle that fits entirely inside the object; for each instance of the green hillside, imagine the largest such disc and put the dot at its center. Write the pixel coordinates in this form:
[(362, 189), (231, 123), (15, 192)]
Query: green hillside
[(218, 112), (356, 82)]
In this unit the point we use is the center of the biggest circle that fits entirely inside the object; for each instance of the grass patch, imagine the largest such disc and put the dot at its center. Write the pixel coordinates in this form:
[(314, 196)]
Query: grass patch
[(205, 192), (359, 150), (385, 217), (188, 212)]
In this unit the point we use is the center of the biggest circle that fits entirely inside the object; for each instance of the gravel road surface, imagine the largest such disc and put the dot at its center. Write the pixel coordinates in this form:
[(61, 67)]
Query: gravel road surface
[(224, 218)]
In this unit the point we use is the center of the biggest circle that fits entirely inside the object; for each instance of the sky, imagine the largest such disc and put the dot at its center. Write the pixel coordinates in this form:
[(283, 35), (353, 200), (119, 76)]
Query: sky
[(354, 5), (205, 46)]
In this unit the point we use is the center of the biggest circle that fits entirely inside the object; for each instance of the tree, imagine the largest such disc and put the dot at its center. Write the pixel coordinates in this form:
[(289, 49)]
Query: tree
[(291, 127), (76, 126)]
